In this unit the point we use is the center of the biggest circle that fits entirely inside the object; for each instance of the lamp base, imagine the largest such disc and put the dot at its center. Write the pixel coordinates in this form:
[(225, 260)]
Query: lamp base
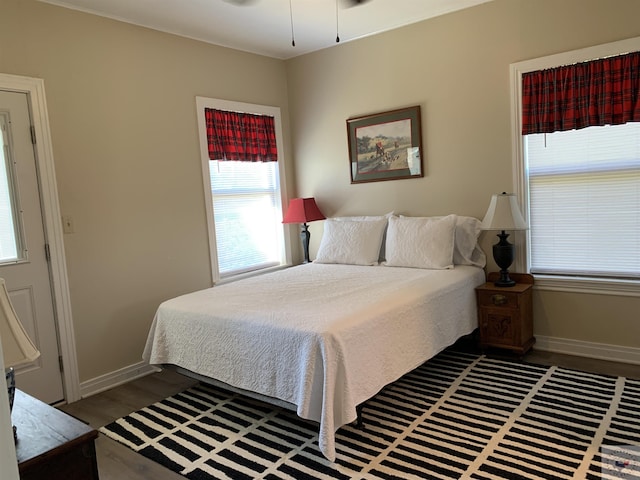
[(503, 254), (305, 235), (10, 377), (504, 280)]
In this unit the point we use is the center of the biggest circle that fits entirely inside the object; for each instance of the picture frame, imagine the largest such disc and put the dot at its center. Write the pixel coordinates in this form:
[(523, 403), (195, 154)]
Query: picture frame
[(385, 146)]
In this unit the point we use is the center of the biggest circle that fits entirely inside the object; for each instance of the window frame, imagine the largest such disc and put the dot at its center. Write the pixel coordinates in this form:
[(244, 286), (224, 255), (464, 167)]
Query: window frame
[(592, 285), (206, 102)]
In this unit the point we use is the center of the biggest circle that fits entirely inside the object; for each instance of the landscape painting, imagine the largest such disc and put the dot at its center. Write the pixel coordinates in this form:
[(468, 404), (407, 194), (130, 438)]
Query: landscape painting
[(385, 146)]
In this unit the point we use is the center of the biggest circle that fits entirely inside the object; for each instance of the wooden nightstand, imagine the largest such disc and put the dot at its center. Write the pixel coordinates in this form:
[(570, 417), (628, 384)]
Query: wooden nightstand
[(51, 444), (505, 314)]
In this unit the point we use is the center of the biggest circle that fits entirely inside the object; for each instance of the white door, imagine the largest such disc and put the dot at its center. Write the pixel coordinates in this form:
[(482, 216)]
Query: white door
[(23, 257)]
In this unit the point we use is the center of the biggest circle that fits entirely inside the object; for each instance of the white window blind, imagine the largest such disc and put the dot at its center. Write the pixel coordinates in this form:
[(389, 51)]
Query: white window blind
[(247, 215), (584, 201)]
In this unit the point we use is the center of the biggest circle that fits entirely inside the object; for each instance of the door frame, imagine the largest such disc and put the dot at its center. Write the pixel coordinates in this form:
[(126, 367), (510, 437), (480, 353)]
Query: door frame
[(52, 223)]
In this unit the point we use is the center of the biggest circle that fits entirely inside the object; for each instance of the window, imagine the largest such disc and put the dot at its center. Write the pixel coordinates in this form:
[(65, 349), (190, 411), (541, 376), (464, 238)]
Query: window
[(244, 199), (580, 186), (10, 238)]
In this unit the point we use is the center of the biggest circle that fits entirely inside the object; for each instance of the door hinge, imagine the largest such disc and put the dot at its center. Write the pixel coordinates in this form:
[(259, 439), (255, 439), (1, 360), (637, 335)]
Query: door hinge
[(47, 252), (33, 134), (60, 364)]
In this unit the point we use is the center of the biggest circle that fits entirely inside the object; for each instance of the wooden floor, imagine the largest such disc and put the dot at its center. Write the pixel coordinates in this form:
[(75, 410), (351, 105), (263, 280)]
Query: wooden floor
[(116, 462)]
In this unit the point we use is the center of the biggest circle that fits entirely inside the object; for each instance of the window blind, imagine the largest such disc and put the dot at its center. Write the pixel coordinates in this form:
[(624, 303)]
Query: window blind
[(246, 215), (584, 201)]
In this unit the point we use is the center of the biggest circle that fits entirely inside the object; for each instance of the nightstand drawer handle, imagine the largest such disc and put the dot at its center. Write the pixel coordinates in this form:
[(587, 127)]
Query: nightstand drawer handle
[(498, 299)]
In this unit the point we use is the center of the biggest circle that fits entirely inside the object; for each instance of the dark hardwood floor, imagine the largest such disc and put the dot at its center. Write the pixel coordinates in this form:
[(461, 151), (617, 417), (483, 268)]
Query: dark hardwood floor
[(116, 462), (585, 364)]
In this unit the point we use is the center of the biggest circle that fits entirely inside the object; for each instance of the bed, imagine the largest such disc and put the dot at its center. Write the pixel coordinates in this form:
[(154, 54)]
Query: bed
[(324, 337)]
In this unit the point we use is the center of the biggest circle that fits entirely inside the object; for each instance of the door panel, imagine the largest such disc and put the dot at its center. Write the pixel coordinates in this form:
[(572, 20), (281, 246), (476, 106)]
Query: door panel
[(27, 277)]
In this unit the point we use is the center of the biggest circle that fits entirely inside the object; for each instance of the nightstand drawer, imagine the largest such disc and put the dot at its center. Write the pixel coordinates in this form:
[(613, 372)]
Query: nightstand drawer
[(498, 299)]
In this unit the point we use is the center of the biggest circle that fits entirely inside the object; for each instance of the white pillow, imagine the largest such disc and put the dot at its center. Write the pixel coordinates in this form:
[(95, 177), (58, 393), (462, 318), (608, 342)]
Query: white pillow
[(478, 258), (371, 218), (364, 218), (421, 242), (351, 242), (466, 250)]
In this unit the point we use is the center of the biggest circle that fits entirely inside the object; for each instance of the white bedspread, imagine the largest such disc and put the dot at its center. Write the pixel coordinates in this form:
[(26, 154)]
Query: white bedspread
[(322, 337)]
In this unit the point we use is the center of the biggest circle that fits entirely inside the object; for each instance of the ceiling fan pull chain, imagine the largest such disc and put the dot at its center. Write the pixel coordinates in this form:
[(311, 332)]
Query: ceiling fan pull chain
[(337, 29), (293, 40)]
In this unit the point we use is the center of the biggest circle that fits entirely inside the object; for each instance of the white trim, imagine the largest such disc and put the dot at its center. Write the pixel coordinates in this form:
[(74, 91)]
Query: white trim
[(201, 103), (253, 273), (116, 378), (34, 88), (623, 288), (519, 183), (600, 351), (581, 55)]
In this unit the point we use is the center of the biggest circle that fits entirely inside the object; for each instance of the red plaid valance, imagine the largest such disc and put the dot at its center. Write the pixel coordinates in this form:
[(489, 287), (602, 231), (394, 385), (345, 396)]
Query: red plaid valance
[(240, 136), (599, 92)]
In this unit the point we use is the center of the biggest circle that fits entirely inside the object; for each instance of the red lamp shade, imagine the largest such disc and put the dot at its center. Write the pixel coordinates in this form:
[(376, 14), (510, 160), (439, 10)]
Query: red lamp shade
[(302, 210)]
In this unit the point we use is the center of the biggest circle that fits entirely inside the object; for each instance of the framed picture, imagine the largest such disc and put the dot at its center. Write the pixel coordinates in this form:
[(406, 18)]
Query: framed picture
[(385, 146)]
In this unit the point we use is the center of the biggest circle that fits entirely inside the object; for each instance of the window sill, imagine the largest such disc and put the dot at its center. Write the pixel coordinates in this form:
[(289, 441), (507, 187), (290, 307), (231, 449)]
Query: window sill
[(253, 273), (593, 286)]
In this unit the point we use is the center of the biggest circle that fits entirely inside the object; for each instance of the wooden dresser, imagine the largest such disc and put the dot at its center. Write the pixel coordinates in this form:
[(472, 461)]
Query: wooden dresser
[(51, 444), (505, 314)]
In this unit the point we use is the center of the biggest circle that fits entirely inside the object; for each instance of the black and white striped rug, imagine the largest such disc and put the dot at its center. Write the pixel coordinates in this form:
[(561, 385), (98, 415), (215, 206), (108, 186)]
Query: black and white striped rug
[(457, 416)]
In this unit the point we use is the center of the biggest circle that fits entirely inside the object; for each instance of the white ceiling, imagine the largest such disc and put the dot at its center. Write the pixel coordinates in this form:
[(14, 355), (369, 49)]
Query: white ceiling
[(265, 26)]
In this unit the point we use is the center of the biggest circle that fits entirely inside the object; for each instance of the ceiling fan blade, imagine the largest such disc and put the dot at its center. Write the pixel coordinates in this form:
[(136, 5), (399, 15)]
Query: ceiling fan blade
[(241, 3), (353, 3)]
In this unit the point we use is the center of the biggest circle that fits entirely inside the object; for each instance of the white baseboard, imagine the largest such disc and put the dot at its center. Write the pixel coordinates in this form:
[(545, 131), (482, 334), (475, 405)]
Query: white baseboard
[(115, 378), (600, 351)]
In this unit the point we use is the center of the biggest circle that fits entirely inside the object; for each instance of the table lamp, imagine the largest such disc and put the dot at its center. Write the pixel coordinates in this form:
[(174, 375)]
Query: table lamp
[(17, 347), (303, 210), (503, 214)]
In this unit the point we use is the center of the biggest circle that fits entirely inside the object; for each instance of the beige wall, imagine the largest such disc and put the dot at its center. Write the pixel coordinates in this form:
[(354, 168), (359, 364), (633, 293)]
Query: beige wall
[(456, 67), (122, 113), (121, 103)]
